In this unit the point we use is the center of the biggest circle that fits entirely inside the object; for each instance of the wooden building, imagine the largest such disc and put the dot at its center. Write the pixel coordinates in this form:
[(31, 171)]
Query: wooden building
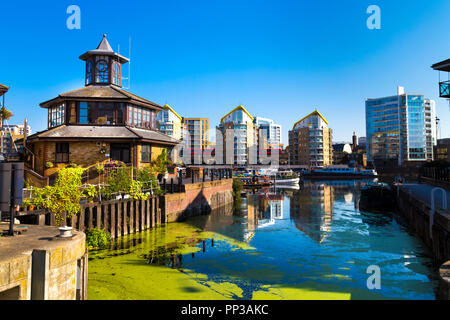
[(98, 122)]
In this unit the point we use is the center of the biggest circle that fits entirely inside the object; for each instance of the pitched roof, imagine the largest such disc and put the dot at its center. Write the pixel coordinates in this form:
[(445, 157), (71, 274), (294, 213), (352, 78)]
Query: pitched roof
[(236, 109), (86, 132), (315, 112), (3, 89), (442, 66), (101, 92), (103, 48), (167, 107)]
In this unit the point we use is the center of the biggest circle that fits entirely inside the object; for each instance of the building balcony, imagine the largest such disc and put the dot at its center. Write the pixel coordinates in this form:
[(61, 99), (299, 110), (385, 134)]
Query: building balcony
[(444, 89)]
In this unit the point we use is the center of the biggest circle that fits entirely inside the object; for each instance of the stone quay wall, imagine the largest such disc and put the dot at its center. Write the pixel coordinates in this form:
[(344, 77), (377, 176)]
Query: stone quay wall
[(417, 215), (39, 265), (196, 199)]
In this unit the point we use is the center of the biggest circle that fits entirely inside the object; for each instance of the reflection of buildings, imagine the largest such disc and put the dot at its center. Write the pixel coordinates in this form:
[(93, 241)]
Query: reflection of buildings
[(312, 210), (263, 210)]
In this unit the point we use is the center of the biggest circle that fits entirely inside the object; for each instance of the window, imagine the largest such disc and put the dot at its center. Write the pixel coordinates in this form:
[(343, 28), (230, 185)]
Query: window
[(141, 117), (116, 74), (108, 113), (101, 72), (56, 116), (62, 152), (88, 72), (146, 153)]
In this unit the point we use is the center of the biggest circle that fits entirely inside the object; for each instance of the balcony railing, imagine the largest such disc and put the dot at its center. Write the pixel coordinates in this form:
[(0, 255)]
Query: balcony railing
[(444, 89)]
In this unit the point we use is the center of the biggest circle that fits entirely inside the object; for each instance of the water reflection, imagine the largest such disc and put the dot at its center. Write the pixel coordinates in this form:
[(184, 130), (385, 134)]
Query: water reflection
[(313, 236)]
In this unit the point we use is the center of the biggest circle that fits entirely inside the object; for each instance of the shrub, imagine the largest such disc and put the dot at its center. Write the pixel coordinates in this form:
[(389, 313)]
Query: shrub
[(147, 177), (90, 192), (64, 196), (96, 239)]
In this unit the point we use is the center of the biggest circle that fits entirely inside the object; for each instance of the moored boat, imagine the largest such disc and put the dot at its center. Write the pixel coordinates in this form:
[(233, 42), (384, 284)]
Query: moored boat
[(341, 172)]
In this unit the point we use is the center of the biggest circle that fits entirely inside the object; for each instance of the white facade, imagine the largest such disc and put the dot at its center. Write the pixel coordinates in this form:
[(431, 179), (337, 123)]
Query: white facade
[(272, 130)]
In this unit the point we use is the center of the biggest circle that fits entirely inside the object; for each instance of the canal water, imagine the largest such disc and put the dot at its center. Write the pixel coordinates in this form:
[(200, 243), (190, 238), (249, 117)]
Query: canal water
[(310, 242)]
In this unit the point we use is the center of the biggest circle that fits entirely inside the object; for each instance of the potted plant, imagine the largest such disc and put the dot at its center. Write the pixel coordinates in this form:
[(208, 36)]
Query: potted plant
[(63, 198), (49, 164)]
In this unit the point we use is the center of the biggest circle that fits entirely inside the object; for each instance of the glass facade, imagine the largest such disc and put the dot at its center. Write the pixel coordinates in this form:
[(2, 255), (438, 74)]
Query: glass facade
[(400, 127)]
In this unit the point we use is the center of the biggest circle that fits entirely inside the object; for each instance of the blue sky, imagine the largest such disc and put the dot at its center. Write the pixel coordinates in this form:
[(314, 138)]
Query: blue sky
[(279, 59)]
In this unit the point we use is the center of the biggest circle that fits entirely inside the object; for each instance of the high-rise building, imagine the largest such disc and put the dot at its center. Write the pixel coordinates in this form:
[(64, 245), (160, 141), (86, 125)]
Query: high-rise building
[(310, 142), (400, 128), (271, 131), (10, 134), (171, 123), (197, 136), (238, 125)]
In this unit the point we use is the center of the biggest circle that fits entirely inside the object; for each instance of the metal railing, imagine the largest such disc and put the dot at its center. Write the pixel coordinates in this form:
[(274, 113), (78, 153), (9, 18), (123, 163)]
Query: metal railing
[(438, 174)]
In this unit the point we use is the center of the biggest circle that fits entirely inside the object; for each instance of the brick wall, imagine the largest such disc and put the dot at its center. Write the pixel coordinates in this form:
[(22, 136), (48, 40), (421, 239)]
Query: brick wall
[(198, 198)]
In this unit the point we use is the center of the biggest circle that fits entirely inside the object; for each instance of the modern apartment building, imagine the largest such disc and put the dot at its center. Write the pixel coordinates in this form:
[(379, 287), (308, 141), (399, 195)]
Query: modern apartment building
[(310, 142), (11, 133), (170, 123), (271, 131), (400, 128), (238, 126), (197, 136)]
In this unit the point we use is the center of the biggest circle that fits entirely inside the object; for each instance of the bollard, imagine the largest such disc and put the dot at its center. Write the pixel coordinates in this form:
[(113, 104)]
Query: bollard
[(171, 185), (164, 184)]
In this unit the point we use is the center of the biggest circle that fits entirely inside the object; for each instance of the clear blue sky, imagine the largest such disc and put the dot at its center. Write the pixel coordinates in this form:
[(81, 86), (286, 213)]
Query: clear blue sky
[(279, 59)]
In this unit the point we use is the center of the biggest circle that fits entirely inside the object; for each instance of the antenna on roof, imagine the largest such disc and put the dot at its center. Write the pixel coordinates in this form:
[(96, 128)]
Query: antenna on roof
[(129, 65)]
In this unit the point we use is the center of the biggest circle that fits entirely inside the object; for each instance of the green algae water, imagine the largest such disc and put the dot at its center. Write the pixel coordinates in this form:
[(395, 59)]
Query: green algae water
[(312, 242)]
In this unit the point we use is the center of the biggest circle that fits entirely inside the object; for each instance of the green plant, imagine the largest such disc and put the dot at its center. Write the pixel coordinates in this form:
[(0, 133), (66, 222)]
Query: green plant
[(96, 239), (64, 196), (27, 202), (147, 177), (136, 190), (90, 192), (39, 198), (118, 180), (100, 168), (160, 164), (49, 164)]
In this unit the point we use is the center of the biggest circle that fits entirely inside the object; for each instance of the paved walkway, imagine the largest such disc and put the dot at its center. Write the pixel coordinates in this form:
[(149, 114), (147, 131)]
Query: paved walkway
[(423, 193)]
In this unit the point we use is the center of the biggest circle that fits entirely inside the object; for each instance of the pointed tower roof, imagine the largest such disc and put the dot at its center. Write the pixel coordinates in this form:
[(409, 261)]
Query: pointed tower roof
[(104, 44), (103, 49)]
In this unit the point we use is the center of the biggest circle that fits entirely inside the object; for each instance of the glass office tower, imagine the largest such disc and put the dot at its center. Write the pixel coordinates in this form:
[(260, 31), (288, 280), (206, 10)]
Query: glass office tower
[(401, 127)]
